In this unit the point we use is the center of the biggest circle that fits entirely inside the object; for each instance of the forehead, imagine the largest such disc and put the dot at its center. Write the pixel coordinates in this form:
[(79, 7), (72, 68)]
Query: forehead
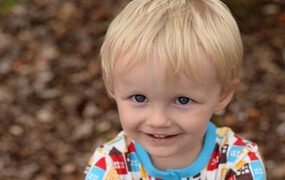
[(204, 72)]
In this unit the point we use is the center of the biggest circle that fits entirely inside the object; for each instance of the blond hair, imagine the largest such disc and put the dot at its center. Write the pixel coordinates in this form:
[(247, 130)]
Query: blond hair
[(175, 30)]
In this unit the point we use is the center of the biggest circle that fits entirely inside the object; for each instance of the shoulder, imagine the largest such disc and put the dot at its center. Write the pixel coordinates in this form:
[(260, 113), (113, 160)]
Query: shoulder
[(232, 145), (111, 160), (116, 146), (238, 156)]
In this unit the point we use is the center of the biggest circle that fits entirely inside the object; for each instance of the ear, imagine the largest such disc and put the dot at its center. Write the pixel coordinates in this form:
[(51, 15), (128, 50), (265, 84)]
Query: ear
[(226, 96)]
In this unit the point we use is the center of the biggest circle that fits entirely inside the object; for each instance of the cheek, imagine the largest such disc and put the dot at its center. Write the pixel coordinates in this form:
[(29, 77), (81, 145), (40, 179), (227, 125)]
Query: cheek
[(195, 127), (128, 117), (194, 122)]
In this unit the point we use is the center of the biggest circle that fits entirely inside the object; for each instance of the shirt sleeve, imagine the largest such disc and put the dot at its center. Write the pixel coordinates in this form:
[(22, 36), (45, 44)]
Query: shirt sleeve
[(100, 167), (247, 163)]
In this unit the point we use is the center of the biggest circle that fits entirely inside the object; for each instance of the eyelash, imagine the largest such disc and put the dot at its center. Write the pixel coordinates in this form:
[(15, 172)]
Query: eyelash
[(143, 99)]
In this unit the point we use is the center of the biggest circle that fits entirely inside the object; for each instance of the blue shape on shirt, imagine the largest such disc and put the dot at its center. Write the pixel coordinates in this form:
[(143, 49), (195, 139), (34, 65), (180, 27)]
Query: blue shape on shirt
[(95, 174), (257, 169), (134, 162), (234, 152)]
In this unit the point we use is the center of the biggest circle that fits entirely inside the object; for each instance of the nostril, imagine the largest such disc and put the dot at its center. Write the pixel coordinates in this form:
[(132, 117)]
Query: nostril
[(158, 119), (158, 122)]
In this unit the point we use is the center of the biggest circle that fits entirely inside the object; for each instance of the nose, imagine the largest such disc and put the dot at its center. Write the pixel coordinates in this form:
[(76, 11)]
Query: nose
[(159, 119)]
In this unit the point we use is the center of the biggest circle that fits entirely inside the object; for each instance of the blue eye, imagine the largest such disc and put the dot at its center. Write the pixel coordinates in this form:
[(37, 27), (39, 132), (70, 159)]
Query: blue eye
[(139, 98), (183, 100)]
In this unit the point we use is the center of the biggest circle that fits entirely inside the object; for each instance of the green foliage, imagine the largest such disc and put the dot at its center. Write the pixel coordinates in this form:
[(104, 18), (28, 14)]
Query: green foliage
[(108, 21), (244, 6), (105, 136), (6, 5)]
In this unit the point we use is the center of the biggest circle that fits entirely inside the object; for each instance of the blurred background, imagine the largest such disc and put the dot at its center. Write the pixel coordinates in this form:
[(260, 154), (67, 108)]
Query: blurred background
[(54, 110)]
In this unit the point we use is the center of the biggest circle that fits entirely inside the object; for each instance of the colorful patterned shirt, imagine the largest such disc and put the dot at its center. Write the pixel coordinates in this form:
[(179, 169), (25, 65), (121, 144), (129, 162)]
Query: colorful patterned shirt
[(224, 155)]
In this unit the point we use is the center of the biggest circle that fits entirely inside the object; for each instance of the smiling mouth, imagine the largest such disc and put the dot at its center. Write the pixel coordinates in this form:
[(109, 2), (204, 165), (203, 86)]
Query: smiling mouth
[(159, 136)]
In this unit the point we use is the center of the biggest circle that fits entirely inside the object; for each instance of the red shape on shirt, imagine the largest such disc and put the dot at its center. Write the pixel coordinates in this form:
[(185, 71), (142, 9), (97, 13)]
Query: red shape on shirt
[(132, 147), (215, 159), (231, 178), (239, 141), (101, 163), (149, 177), (252, 156), (118, 161)]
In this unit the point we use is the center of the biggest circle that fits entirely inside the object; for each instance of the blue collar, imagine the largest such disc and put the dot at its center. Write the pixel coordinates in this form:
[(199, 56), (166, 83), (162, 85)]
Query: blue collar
[(197, 166)]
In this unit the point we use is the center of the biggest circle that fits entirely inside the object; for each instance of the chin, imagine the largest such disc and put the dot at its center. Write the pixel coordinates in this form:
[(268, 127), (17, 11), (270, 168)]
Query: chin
[(161, 152)]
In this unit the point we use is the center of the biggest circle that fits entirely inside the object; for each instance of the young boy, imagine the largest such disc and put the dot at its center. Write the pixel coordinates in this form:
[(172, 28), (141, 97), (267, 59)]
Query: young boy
[(169, 65)]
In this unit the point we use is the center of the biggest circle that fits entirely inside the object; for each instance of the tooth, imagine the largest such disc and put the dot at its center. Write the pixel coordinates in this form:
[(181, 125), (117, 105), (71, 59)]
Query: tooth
[(159, 136)]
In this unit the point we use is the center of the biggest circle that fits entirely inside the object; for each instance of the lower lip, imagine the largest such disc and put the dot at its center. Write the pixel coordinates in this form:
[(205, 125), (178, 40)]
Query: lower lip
[(166, 140)]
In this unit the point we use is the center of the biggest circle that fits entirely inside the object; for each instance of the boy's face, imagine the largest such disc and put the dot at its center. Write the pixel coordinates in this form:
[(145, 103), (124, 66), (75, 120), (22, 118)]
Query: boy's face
[(168, 118)]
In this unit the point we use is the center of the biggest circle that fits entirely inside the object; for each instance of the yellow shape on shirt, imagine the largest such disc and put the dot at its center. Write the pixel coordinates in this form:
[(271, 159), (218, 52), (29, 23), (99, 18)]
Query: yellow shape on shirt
[(143, 172), (112, 174)]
